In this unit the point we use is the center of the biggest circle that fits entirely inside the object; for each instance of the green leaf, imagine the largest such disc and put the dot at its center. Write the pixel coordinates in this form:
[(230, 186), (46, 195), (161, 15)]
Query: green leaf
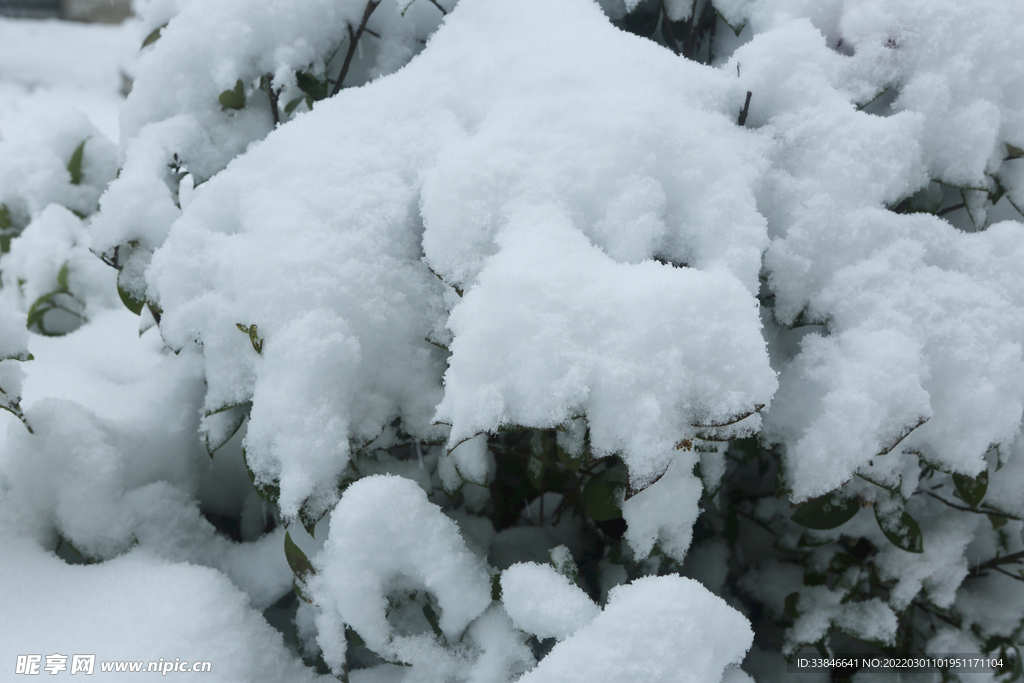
[(997, 521), (297, 560), (826, 512), (928, 200), (813, 578), (311, 85), (5, 218), (789, 606), (127, 298), (1013, 152), (571, 462), (903, 531), (293, 105), (971, 489), (254, 339), (222, 424), (36, 310), (299, 592), (496, 587), (431, 617), (602, 498), (153, 36), (75, 165), (62, 277), (564, 564), (234, 98), (268, 492), (26, 356)]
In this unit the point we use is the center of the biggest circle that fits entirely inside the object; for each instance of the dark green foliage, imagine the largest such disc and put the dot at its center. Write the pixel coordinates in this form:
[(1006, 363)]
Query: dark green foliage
[(826, 512), (129, 300), (75, 164), (901, 530), (153, 36), (297, 560), (234, 98), (971, 489)]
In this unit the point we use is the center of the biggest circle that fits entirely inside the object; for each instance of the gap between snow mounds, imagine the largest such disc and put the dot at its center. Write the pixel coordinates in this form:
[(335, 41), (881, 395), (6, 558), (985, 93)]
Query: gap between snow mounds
[(386, 535)]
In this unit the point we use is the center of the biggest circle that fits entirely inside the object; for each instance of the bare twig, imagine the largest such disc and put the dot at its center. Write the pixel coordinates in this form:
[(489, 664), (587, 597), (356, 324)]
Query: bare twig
[(951, 209), (14, 408), (742, 121), (353, 43), (954, 505), (1012, 576), (274, 94)]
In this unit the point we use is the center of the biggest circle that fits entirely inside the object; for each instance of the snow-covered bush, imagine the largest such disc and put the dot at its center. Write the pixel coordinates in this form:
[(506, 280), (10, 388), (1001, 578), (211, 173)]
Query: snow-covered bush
[(540, 340)]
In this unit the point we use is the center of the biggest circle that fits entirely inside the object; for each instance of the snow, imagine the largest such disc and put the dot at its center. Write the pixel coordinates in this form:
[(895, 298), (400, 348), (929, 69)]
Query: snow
[(869, 276), (34, 165), (517, 216), (543, 602), (940, 569), (386, 536), (653, 629), (663, 514), (47, 65), (136, 607), (700, 320)]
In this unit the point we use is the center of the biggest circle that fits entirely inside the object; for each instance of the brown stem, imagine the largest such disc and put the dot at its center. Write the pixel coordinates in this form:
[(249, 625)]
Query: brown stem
[(273, 100), (353, 43), (742, 121)]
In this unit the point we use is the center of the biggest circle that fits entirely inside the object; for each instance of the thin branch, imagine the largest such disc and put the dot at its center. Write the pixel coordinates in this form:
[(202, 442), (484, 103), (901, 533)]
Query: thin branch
[(274, 94), (1012, 576), (758, 407), (935, 613), (435, 4), (742, 121), (954, 505), (951, 209), (14, 408), (996, 561), (353, 42)]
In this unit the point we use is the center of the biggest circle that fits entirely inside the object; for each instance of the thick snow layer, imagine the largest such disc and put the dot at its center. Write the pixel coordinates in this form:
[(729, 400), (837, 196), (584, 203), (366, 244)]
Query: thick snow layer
[(174, 115), (13, 335), (543, 602), (653, 629), (386, 536), (516, 188), (56, 241), (664, 514), (115, 460), (940, 569), (137, 607), (921, 321), (34, 165)]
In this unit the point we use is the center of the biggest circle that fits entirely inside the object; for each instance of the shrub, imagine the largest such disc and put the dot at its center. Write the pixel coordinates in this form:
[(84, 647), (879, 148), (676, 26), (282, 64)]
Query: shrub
[(541, 340)]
